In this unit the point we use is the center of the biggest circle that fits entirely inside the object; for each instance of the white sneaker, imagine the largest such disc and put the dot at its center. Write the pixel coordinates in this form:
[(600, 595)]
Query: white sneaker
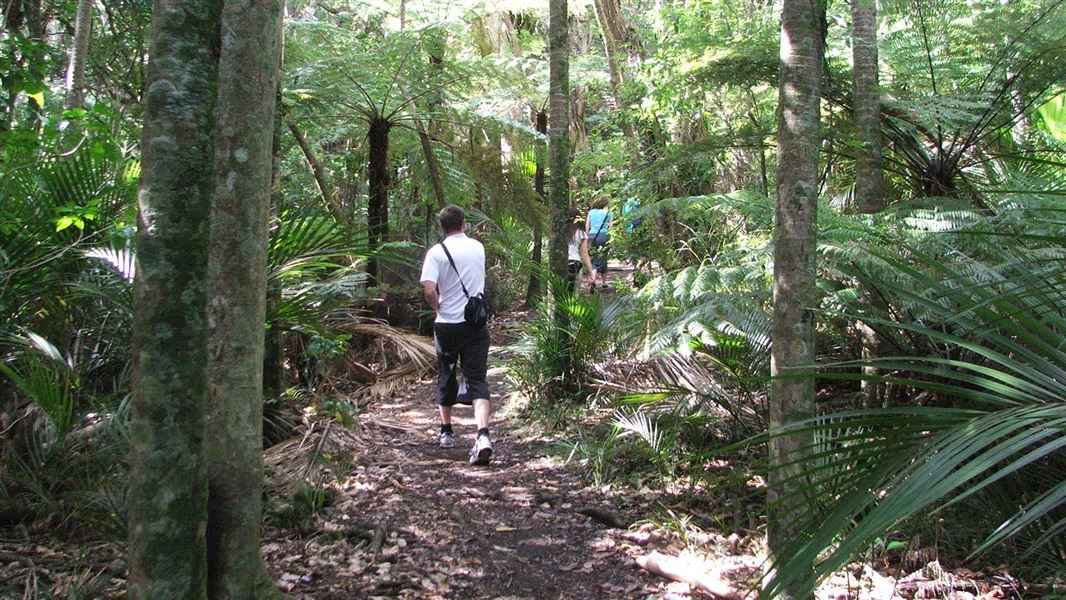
[(482, 450), (446, 439)]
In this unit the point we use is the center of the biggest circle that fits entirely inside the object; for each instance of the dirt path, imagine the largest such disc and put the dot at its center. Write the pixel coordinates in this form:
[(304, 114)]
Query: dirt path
[(416, 521)]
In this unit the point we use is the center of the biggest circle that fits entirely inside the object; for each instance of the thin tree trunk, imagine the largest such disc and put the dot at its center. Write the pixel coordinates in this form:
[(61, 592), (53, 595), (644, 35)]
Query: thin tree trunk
[(431, 165), (35, 23), (237, 267), (795, 295), (75, 77), (274, 346), (329, 198), (168, 473), (869, 174), (536, 274), (558, 133), (378, 204), (615, 38), (423, 136)]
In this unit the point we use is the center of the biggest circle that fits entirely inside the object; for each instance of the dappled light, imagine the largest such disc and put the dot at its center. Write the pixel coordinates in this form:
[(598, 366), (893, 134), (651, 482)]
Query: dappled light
[(614, 299)]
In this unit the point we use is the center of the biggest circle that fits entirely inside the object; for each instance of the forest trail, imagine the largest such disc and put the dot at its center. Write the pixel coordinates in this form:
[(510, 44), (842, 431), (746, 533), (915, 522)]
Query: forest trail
[(422, 523)]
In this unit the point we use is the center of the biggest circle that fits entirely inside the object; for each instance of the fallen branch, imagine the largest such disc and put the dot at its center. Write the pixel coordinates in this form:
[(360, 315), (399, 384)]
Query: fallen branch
[(688, 571)]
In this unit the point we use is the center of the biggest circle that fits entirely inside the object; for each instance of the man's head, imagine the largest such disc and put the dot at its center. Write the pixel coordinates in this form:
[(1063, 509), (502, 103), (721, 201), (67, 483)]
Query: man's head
[(451, 219)]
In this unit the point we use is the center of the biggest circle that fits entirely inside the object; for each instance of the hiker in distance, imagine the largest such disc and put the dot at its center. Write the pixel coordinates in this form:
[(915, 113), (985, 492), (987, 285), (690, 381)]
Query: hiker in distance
[(453, 280)]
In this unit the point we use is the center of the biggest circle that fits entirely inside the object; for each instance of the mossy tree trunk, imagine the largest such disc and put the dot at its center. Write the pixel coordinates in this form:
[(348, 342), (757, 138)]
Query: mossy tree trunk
[(168, 473), (558, 134), (237, 267), (795, 298)]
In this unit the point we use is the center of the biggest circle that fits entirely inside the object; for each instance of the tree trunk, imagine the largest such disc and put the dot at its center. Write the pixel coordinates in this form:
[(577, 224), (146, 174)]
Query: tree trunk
[(237, 267), (536, 274), (615, 45), (274, 346), (869, 176), (579, 134), (329, 198), (377, 219), (75, 78), (168, 473), (795, 295), (431, 165), (558, 133), (35, 22)]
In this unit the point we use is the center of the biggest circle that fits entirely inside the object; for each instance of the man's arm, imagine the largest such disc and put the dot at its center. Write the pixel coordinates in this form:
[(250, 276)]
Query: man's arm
[(432, 296)]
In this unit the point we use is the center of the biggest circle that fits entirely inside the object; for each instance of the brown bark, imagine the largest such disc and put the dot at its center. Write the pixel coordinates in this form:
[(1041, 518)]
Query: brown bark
[(558, 133), (616, 47), (533, 290), (378, 205), (329, 198), (795, 297), (168, 473), (579, 135), (431, 165)]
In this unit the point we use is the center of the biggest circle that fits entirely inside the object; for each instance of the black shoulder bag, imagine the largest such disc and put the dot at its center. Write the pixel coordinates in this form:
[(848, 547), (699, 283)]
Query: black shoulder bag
[(477, 308)]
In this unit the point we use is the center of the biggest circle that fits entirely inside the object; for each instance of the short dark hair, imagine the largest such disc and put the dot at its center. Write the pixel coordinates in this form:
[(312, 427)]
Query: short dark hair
[(451, 218)]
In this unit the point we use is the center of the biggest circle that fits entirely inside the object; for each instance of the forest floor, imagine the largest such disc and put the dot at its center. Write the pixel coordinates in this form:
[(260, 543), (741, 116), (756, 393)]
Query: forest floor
[(413, 520), (417, 521), (390, 514)]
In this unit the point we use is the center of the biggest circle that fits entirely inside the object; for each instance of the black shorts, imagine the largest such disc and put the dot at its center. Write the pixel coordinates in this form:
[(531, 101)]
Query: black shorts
[(573, 267), (459, 344), (598, 249)]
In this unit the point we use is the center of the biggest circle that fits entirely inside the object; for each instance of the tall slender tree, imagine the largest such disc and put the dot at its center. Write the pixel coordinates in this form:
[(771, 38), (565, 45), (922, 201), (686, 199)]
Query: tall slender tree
[(866, 106), (558, 133), (869, 173), (795, 296), (168, 473), (75, 77), (540, 123), (237, 267)]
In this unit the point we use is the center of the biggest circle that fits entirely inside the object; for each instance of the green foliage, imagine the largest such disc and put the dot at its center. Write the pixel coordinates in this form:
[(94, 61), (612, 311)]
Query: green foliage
[(555, 362), (992, 420)]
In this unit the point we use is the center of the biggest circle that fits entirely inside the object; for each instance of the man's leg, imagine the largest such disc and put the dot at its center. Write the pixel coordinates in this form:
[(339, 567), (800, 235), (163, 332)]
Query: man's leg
[(447, 386), (474, 358), (481, 413)]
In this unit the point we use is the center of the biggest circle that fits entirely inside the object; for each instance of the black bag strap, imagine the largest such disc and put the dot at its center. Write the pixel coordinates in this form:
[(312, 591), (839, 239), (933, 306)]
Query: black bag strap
[(457, 275), (602, 223)]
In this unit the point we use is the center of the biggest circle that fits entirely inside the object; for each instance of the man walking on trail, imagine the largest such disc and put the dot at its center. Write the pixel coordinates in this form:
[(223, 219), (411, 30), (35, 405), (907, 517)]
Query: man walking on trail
[(454, 271)]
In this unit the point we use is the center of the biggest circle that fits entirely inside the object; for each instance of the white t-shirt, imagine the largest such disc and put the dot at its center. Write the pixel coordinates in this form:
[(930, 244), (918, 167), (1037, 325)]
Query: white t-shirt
[(573, 249), (469, 256)]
